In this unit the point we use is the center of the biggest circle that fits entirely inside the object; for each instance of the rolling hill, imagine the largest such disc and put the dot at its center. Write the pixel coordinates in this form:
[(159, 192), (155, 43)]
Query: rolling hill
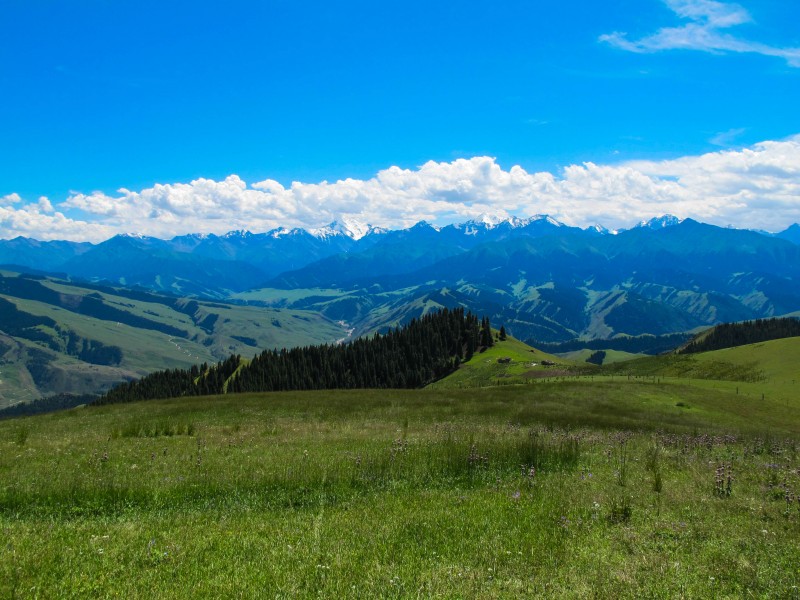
[(58, 336)]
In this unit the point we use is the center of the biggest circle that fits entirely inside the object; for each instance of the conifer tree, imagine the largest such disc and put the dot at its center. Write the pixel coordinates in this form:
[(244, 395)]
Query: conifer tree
[(423, 350)]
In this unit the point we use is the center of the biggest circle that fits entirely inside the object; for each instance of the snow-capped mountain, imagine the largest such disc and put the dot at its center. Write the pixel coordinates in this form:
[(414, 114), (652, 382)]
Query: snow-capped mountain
[(660, 222), (355, 230), (237, 234), (343, 250)]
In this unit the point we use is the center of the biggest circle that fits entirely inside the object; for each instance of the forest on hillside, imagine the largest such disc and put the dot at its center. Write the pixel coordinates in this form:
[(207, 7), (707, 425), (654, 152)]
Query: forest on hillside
[(412, 356), (728, 335)]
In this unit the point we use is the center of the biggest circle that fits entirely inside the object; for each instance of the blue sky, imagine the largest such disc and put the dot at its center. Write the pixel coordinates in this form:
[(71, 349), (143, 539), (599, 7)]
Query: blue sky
[(100, 95)]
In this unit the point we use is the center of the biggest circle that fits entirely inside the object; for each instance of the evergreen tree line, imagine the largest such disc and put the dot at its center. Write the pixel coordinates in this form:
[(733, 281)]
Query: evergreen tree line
[(46, 405), (412, 356), (728, 335), (200, 380)]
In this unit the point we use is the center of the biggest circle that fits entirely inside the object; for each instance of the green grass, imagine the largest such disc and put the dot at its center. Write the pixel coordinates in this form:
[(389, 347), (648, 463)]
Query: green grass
[(775, 361), (283, 297), (484, 369), (611, 357), (557, 488)]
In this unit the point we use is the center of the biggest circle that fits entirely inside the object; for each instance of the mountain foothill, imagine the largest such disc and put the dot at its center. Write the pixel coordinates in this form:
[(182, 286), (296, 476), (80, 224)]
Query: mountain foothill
[(201, 297)]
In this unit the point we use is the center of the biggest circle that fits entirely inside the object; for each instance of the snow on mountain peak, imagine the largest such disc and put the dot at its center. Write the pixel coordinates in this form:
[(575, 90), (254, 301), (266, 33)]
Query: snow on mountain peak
[(280, 232), (661, 222), (515, 222), (487, 222), (546, 219), (238, 233), (347, 227), (490, 221)]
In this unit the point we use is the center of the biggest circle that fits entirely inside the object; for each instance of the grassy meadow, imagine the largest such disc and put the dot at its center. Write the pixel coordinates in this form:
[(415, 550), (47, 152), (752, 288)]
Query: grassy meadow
[(617, 485)]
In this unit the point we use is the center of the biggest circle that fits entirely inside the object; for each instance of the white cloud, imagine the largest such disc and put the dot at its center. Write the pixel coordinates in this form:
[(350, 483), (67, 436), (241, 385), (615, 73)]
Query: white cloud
[(40, 221), (704, 32), (9, 199), (755, 187)]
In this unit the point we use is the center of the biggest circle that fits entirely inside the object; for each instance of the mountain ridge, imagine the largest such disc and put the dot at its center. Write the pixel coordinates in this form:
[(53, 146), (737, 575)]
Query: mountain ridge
[(547, 281)]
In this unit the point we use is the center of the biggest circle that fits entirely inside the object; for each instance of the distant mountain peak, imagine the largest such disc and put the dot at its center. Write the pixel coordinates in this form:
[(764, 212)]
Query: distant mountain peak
[(661, 222), (424, 225), (283, 231), (489, 220), (791, 234), (345, 227), (474, 226), (546, 219), (597, 228), (237, 234), (515, 222)]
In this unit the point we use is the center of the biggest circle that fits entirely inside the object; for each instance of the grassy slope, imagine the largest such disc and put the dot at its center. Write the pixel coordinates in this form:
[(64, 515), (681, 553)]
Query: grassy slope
[(484, 368), (612, 356), (774, 365), (374, 494), (278, 296), (779, 360), (146, 350)]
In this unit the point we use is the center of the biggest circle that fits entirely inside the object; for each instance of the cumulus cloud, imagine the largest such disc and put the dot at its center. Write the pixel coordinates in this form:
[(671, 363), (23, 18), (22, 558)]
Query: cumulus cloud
[(9, 199), (705, 32), (40, 221), (755, 187)]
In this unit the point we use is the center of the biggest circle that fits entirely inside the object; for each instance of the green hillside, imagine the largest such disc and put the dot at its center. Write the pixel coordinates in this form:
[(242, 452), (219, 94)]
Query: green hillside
[(610, 357), (778, 360), (775, 361), (140, 333), (491, 368)]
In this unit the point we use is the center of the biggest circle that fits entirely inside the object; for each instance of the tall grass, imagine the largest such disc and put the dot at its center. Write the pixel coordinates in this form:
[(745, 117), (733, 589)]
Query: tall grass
[(494, 494), (146, 428)]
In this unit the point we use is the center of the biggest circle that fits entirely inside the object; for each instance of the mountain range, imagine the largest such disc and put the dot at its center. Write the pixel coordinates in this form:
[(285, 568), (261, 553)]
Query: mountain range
[(546, 281)]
